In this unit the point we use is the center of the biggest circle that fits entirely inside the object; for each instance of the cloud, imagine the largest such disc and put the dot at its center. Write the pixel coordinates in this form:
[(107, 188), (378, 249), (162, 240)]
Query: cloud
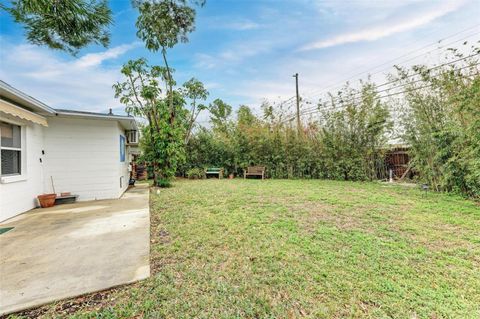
[(319, 76), (234, 54), (94, 59), (204, 61), (385, 30), (337, 6), (59, 81), (242, 25), (212, 85), (235, 23)]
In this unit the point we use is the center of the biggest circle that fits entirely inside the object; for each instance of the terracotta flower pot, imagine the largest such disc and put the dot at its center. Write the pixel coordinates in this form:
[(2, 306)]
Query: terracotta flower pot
[(47, 200)]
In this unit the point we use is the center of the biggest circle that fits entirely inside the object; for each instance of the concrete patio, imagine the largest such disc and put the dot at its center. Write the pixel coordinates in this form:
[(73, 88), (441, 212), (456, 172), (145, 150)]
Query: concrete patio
[(72, 249)]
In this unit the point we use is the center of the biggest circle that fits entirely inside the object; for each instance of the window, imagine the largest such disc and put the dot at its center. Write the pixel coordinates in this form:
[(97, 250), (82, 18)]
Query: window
[(11, 149), (122, 148)]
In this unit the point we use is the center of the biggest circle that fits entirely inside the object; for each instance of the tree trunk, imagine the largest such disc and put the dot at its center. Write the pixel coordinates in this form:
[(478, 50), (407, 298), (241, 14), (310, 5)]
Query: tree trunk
[(193, 118), (170, 85), (172, 108)]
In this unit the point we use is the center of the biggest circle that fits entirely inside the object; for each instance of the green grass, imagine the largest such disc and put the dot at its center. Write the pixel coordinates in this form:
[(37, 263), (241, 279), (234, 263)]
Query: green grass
[(296, 248)]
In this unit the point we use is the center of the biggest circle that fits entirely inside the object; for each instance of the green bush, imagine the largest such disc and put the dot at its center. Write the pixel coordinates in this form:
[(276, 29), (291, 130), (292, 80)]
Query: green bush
[(346, 147), (196, 173), (442, 125), (164, 182)]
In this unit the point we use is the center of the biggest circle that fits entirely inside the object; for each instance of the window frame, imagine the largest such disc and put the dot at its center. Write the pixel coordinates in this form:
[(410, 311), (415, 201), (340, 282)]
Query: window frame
[(11, 178)]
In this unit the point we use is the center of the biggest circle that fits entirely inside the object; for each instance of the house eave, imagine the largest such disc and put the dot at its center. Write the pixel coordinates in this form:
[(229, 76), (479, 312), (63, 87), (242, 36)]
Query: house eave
[(17, 97), (127, 122)]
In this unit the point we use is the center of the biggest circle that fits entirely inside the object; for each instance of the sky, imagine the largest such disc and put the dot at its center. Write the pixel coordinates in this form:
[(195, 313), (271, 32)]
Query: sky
[(247, 51)]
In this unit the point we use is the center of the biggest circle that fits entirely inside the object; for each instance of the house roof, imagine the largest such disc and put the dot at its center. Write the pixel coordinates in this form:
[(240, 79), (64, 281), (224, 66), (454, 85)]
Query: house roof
[(11, 94), (128, 122), (17, 97)]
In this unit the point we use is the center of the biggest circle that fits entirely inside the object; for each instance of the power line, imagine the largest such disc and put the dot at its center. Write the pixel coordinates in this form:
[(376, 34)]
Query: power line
[(410, 76), (392, 60), (408, 60), (353, 96), (333, 107), (384, 84)]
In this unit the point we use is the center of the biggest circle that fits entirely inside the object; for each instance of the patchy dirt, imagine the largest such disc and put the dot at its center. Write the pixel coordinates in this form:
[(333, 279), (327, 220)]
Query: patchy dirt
[(310, 213), (67, 307), (163, 236)]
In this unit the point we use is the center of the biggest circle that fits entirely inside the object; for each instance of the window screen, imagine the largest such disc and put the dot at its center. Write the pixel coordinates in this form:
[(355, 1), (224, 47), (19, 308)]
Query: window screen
[(10, 148)]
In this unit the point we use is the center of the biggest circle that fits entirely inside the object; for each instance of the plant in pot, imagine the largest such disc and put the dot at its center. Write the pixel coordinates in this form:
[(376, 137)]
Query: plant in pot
[(47, 200)]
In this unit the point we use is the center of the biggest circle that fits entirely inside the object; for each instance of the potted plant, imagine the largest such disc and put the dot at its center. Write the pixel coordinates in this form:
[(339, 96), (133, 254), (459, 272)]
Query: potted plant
[(47, 200)]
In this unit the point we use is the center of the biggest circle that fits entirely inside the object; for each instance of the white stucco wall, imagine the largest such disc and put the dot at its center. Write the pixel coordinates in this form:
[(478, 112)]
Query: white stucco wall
[(20, 196), (83, 157), (123, 166)]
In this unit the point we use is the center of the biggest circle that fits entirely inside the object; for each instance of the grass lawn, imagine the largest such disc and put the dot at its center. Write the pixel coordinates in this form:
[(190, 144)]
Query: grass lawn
[(297, 248)]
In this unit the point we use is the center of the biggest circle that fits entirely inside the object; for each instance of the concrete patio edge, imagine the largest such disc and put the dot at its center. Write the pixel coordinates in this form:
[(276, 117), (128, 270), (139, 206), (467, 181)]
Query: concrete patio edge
[(70, 250)]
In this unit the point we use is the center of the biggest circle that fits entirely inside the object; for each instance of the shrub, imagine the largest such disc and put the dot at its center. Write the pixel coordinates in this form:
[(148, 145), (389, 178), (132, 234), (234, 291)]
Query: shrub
[(196, 173), (347, 146), (442, 123), (164, 182)]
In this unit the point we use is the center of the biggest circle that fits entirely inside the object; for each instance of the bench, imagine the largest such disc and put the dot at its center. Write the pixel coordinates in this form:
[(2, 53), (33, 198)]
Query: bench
[(214, 171), (254, 171)]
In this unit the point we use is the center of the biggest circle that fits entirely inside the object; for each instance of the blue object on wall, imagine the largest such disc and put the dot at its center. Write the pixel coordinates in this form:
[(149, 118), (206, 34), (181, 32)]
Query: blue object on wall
[(122, 148)]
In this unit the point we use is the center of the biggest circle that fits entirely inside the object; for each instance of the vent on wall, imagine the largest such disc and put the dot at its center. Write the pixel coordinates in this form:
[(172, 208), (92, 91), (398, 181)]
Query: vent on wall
[(121, 181)]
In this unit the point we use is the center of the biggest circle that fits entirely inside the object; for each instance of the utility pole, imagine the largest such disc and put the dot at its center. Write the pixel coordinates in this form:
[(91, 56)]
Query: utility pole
[(299, 127)]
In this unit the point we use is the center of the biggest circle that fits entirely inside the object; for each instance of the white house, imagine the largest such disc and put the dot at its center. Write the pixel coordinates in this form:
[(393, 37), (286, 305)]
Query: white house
[(70, 151)]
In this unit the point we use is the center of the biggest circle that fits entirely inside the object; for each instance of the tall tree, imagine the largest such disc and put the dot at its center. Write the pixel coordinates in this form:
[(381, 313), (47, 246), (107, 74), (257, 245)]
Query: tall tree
[(67, 25), (162, 24), (142, 96), (245, 116), (219, 115), (194, 90)]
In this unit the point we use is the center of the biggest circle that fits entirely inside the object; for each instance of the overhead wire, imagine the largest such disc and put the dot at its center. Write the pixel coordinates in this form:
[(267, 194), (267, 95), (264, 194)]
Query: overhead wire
[(290, 100), (412, 75), (350, 99), (406, 54)]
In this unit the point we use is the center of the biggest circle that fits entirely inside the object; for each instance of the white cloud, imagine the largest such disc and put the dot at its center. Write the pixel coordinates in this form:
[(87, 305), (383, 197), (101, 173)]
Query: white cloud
[(228, 22), (385, 30), (319, 76), (94, 59), (234, 54), (81, 84), (242, 25), (212, 85), (204, 61), (336, 6), (241, 51)]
